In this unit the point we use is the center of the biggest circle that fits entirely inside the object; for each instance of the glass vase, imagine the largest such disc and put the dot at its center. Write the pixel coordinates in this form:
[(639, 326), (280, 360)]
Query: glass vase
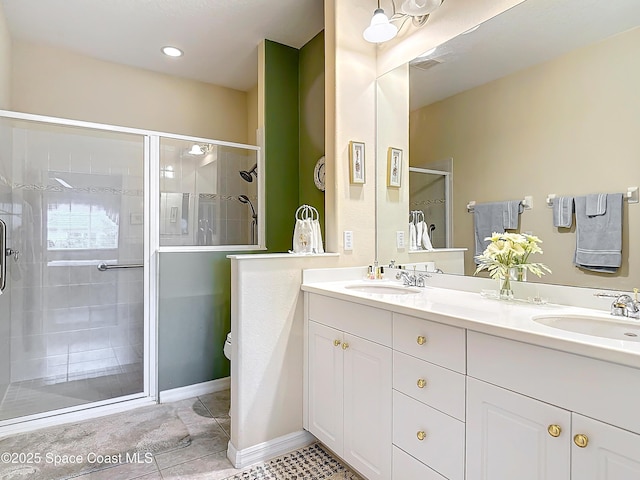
[(519, 274), (506, 293)]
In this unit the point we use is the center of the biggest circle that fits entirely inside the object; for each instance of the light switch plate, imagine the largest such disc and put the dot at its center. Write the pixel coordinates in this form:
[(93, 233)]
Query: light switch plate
[(400, 239), (348, 240)]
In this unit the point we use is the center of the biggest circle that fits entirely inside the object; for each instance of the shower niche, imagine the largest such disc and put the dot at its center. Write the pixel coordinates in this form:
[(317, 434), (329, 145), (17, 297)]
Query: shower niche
[(209, 195)]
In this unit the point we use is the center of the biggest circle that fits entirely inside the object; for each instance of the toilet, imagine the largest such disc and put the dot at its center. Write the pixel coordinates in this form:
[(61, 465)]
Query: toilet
[(227, 346)]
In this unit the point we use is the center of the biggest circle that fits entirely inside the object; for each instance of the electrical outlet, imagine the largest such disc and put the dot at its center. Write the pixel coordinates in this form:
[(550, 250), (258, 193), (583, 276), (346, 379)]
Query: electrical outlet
[(400, 239), (348, 240)]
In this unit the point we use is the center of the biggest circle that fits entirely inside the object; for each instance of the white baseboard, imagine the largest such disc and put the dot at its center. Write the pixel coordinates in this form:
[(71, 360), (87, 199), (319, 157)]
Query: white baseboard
[(268, 450), (195, 390)]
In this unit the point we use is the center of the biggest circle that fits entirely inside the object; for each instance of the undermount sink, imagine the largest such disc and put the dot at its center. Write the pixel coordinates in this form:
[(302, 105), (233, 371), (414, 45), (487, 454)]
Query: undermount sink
[(595, 326), (383, 289)]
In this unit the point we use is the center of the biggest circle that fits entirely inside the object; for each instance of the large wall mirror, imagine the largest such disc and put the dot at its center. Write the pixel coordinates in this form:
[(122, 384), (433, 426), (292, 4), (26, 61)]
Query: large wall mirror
[(542, 99)]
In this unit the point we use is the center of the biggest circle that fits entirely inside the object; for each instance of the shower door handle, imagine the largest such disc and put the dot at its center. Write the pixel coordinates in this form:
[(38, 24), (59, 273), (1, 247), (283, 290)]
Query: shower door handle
[(3, 256), (103, 266)]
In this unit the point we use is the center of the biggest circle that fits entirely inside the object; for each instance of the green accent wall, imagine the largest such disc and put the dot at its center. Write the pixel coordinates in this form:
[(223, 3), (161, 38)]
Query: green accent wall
[(194, 317), (311, 74), (194, 302), (281, 144)]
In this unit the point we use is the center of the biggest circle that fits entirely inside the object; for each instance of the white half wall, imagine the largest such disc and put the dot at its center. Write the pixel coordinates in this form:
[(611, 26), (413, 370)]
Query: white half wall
[(267, 324)]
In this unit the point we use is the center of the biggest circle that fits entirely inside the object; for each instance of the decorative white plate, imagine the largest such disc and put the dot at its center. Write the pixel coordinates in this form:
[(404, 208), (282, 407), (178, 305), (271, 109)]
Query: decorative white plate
[(318, 174)]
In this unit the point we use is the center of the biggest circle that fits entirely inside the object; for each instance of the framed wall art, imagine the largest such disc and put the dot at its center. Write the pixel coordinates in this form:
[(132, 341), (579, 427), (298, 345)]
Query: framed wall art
[(356, 162), (394, 167)]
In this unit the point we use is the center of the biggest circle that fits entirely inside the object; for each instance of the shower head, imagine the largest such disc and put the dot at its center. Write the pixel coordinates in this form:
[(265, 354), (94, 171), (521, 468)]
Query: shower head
[(244, 199), (247, 175)]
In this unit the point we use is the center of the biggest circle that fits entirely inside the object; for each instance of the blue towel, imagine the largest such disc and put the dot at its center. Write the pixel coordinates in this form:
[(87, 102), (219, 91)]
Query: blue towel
[(494, 217), (510, 212), (599, 238), (596, 204), (562, 212)]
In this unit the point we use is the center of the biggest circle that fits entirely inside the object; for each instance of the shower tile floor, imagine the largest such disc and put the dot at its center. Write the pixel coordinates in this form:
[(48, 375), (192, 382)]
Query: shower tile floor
[(34, 396)]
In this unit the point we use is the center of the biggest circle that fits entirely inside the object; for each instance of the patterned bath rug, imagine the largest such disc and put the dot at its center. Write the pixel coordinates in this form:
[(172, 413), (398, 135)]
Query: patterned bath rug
[(308, 463)]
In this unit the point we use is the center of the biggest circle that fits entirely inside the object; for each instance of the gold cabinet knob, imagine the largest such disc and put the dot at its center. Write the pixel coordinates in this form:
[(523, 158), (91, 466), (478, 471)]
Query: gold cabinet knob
[(554, 430), (421, 383), (421, 435), (336, 343), (421, 340), (345, 345), (581, 440)]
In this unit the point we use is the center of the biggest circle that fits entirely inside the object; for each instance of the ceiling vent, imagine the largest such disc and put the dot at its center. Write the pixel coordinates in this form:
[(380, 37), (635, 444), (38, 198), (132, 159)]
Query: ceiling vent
[(425, 64)]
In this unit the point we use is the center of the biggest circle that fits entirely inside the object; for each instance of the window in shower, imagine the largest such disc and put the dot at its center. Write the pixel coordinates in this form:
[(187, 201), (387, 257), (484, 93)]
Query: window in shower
[(209, 194), (82, 211)]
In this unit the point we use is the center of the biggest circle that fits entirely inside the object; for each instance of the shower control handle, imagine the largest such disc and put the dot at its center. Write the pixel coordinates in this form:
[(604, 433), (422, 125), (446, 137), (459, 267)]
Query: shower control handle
[(10, 251)]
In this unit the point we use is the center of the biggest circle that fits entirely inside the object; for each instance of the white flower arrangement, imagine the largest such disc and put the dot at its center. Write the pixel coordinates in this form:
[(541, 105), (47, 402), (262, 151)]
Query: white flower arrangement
[(510, 250)]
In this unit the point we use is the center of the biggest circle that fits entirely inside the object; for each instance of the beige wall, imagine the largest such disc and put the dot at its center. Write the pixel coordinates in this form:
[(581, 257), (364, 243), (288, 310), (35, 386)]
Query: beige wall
[(569, 127), (252, 115), (5, 63), (350, 86), (393, 131), (60, 83)]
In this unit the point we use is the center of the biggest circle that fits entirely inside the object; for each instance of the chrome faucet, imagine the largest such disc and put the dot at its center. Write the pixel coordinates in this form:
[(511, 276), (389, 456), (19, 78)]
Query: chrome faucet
[(625, 306), (412, 279)]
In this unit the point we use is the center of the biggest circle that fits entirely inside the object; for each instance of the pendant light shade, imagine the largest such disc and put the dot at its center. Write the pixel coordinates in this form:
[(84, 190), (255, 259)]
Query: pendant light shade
[(380, 29)]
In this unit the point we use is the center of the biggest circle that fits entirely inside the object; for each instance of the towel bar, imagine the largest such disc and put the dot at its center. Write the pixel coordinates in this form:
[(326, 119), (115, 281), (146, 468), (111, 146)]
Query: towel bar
[(631, 196), (527, 203)]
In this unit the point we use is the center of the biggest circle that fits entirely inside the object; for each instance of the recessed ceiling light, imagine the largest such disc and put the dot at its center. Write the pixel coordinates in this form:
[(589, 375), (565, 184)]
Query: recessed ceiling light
[(172, 51)]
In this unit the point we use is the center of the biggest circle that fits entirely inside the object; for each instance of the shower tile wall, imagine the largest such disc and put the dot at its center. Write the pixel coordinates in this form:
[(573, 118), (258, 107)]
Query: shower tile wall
[(70, 321)]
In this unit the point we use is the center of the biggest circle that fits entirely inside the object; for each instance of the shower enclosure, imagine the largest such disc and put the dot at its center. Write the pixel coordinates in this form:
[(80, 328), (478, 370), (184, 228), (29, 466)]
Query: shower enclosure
[(84, 208), (430, 193)]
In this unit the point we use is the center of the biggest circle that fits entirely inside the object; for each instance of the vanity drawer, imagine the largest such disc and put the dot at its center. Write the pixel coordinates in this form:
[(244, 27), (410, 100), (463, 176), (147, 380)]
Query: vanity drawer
[(436, 386), (367, 322), (405, 467), (442, 448), (431, 341)]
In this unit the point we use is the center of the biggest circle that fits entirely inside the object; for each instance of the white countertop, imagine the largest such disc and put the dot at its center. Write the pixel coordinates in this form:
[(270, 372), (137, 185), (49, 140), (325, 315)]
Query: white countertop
[(509, 319)]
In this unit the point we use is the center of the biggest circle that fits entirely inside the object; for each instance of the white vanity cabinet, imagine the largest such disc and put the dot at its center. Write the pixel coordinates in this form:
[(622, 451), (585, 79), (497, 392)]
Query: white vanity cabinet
[(415, 398), (523, 420), (349, 381)]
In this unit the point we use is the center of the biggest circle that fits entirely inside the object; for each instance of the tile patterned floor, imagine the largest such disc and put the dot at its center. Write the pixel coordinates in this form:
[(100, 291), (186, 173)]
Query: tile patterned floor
[(209, 425)]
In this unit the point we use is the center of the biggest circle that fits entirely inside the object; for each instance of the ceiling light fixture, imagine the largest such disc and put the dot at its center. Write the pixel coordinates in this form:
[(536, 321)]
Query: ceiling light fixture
[(381, 29), (200, 149), (172, 51)]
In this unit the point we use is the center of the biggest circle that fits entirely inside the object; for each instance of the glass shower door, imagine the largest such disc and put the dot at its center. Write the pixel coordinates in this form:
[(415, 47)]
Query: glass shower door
[(72, 319)]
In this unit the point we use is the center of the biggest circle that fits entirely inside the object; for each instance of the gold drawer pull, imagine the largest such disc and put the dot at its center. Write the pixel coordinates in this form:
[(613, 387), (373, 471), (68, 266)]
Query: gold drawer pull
[(422, 383), (421, 435), (345, 345), (581, 440), (554, 430), (336, 343), (421, 340)]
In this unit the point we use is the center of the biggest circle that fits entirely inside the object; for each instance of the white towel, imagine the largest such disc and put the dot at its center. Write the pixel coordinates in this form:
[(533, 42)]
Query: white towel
[(596, 204), (420, 226), (412, 237), (317, 237), (426, 241), (562, 212)]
